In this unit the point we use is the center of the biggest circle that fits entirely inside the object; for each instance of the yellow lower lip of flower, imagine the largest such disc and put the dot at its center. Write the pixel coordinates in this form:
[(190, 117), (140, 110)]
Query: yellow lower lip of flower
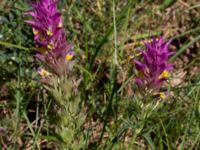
[(43, 50), (49, 33), (162, 95), (164, 74), (50, 46), (44, 73), (35, 32), (69, 57)]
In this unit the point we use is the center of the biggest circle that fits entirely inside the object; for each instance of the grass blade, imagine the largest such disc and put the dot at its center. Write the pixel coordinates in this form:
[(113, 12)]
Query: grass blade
[(180, 51)]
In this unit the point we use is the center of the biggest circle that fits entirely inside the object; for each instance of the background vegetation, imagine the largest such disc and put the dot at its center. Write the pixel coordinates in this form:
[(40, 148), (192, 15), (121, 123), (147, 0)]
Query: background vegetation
[(117, 118)]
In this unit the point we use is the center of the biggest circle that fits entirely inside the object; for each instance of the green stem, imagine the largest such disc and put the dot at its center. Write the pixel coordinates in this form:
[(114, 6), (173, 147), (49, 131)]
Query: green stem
[(6, 44)]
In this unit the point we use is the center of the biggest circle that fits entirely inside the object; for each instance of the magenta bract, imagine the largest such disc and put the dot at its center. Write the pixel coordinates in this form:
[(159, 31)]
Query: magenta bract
[(48, 30), (153, 69)]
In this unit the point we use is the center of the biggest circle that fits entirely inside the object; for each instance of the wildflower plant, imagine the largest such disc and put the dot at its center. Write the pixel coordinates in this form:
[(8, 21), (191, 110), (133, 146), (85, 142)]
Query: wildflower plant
[(153, 69), (56, 74)]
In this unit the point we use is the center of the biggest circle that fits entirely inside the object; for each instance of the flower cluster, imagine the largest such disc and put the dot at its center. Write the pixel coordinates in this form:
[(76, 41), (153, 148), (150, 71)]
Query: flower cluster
[(154, 68), (49, 34)]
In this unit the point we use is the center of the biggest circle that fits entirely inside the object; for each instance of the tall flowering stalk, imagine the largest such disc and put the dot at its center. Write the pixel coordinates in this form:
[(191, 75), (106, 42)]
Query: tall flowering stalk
[(57, 76), (153, 69)]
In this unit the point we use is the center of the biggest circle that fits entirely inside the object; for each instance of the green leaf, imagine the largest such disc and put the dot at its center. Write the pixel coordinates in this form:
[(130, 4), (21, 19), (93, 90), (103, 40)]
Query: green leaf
[(149, 140)]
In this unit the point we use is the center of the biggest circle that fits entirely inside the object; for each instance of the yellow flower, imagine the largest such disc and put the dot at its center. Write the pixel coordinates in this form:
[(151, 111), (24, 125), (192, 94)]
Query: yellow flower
[(35, 32), (49, 32), (164, 74), (50, 46), (42, 72), (162, 95), (69, 56), (43, 50)]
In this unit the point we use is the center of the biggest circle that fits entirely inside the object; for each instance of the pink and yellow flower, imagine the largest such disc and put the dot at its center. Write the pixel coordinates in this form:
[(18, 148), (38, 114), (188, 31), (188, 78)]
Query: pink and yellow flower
[(49, 36), (48, 29), (154, 69)]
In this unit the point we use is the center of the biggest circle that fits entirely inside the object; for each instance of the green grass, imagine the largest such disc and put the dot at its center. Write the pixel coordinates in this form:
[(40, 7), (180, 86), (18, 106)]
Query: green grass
[(104, 35)]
